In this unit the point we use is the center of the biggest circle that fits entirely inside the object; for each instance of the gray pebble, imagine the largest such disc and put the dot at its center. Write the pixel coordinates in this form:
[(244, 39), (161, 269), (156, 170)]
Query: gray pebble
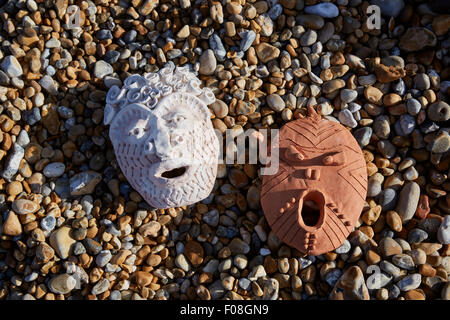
[(325, 10), (275, 102), (417, 235), (408, 201), (48, 223), (403, 261), (387, 199), (13, 162), (100, 287), (11, 67), (362, 135), (23, 139), (247, 39), (410, 282), (413, 106), (102, 69), (346, 118)]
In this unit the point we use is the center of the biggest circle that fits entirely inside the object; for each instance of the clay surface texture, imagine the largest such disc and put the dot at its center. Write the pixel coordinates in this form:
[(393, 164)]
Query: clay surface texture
[(315, 199), (163, 137)]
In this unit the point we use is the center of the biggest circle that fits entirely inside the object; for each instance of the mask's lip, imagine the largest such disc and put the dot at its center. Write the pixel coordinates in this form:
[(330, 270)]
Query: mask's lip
[(157, 169), (319, 198)]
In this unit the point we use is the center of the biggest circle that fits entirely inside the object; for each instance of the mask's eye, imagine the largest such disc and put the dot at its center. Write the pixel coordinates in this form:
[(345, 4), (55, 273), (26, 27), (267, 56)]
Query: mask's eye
[(137, 132), (176, 119), (294, 154), (334, 159)]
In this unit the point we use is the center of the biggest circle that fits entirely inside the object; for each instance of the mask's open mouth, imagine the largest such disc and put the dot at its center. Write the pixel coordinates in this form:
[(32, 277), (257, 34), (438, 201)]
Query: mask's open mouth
[(311, 211), (174, 173)]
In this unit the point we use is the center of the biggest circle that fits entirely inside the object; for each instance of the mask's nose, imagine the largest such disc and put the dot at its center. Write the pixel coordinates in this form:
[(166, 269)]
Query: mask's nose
[(162, 142)]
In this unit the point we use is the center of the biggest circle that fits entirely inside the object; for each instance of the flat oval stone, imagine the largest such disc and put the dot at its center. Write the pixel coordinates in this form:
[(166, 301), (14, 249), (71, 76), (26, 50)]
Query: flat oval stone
[(54, 170), (408, 201), (62, 284), (24, 206)]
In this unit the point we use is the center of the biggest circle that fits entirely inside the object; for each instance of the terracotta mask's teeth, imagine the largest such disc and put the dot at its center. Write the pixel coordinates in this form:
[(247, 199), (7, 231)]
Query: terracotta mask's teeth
[(288, 205), (293, 200), (282, 210)]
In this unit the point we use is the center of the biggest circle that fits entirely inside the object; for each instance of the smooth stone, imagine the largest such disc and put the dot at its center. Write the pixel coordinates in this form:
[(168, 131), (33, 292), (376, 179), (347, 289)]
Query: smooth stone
[(443, 233), (208, 62), (62, 284), (92, 246), (362, 135), (378, 280), (387, 199), (24, 206), (403, 261), (270, 289), (381, 127), (389, 268), (325, 10), (417, 235), (61, 241), (13, 162), (417, 38), (215, 43), (441, 143), (308, 38), (407, 123), (390, 8), (103, 258), (408, 201), (410, 282), (84, 182), (54, 170), (11, 66), (348, 95), (11, 225), (439, 111), (389, 247), (247, 39), (275, 102), (237, 246), (344, 248), (102, 69), (413, 106), (212, 218), (182, 263), (351, 285), (346, 118), (50, 85), (386, 148), (266, 52), (100, 287), (48, 223)]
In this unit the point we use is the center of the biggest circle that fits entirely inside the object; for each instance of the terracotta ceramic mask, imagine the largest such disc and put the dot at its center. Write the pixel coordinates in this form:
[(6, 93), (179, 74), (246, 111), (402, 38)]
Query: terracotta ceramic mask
[(315, 199), (163, 137)]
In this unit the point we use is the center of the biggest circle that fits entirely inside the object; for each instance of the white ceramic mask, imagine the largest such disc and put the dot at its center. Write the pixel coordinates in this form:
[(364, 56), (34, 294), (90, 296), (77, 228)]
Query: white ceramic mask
[(163, 137)]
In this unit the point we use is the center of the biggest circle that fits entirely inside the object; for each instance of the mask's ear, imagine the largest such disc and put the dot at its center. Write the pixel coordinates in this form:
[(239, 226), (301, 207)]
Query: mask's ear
[(126, 120), (109, 114)]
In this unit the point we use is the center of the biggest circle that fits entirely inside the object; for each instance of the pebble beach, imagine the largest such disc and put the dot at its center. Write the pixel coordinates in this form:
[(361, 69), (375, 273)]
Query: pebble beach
[(71, 226)]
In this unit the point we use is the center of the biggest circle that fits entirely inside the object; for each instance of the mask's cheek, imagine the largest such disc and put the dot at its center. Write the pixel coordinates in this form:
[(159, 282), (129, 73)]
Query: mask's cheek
[(131, 160)]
